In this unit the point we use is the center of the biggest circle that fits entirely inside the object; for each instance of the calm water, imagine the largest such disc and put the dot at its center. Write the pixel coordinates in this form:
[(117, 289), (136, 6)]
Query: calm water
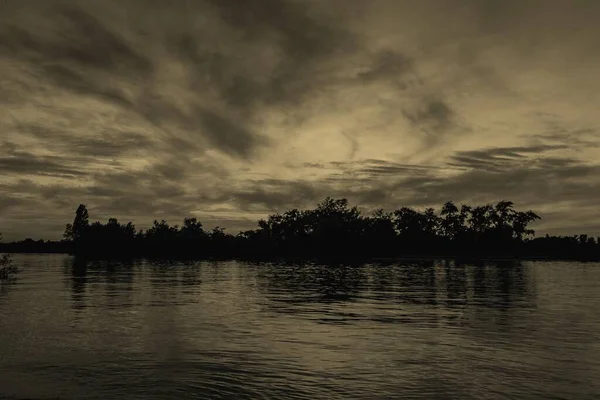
[(232, 330)]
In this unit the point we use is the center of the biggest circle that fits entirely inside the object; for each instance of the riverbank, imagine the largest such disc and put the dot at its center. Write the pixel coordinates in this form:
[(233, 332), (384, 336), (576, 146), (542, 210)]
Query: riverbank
[(327, 258)]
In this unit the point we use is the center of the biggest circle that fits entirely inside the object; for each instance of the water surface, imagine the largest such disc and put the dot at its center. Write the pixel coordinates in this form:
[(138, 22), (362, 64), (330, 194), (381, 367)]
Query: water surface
[(224, 330)]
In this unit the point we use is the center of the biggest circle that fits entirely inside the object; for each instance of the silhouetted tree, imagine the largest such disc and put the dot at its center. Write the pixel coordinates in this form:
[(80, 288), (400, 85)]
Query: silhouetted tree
[(76, 230), (334, 228), (192, 229), (378, 234), (520, 222)]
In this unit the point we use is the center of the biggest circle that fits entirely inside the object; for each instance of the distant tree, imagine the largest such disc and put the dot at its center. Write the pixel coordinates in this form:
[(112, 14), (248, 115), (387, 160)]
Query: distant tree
[(129, 230), (480, 220), (453, 222), (378, 234), (334, 228), (520, 222), (217, 232), (161, 231), (408, 223), (335, 225), (191, 229), (501, 224), (380, 225), (77, 229), (449, 222), (431, 222)]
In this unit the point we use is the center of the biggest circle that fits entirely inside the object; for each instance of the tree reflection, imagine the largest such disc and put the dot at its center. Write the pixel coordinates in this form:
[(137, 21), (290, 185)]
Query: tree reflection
[(420, 290), (78, 279)]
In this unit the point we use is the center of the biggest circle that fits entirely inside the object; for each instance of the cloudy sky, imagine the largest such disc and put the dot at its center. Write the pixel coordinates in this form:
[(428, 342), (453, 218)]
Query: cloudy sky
[(231, 110)]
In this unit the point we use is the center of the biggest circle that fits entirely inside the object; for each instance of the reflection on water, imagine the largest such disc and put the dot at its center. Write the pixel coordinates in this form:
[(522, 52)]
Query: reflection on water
[(418, 329)]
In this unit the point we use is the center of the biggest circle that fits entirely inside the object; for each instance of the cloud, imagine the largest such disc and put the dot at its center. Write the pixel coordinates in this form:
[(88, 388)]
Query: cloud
[(537, 186), (230, 110), (6, 203), (112, 142), (530, 185), (226, 134), (498, 159), (23, 163), (79, 40), (70, 79), (431, 115), (273, 55), (84, 55), (274, 195), (388, 65)]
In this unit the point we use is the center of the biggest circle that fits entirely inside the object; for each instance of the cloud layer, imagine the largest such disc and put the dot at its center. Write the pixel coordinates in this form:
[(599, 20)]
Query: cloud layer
[(230, 110)]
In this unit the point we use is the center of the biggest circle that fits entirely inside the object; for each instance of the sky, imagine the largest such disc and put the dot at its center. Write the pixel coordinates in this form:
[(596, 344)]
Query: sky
[(230, 110)]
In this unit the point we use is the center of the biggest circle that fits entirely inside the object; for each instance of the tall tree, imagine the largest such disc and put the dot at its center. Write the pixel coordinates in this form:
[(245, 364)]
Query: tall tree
[(81, 223)]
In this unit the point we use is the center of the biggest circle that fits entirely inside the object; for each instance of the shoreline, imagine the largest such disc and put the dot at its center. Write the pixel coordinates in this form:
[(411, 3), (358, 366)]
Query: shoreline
[(350, 258)]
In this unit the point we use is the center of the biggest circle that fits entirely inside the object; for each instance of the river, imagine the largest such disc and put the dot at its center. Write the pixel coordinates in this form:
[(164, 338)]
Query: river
[(237, 330)]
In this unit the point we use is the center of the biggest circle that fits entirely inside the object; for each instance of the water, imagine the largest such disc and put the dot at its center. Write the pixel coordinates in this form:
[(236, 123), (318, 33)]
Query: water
[(422, 330)]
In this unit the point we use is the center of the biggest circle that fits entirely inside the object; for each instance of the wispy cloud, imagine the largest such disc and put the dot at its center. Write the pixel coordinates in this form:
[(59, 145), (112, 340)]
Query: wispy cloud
[(230, 110)]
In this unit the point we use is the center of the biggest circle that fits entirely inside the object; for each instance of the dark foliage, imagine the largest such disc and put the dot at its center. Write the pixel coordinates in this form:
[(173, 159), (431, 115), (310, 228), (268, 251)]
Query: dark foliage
[(334, 229), (331, 230), (37, 246)]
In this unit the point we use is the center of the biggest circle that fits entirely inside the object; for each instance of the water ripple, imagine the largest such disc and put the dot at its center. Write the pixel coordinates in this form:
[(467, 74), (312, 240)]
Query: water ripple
[(223, 330)]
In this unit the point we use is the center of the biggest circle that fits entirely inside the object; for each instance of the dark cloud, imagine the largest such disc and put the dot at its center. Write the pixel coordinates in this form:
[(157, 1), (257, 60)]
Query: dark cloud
[(86, 56), (142, 198), (172, 171), (529, 187), (380, 169), (274, 195), (383, 167), (313, 165), (91, 43), (232, 135), (510, 151), (498, 17), (80, 40), (499, 159), (141, 211), (139, 197), (302, 35), (6, 202), (130, 107), (57, 192), (297, 42), (279, 195), (70, 79), (584, 137), (226, 134), (24, 163), (160, 182), (112, 143), (96, 191), (435, 114), (389, 66)]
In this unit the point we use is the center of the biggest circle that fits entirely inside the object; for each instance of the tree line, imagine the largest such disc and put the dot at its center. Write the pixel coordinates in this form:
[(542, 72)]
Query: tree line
[(334, 229)]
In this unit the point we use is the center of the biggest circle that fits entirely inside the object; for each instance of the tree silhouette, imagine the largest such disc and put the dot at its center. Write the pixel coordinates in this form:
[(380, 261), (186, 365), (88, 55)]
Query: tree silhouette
[(192, 229), (77, 229), (333, 229)]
